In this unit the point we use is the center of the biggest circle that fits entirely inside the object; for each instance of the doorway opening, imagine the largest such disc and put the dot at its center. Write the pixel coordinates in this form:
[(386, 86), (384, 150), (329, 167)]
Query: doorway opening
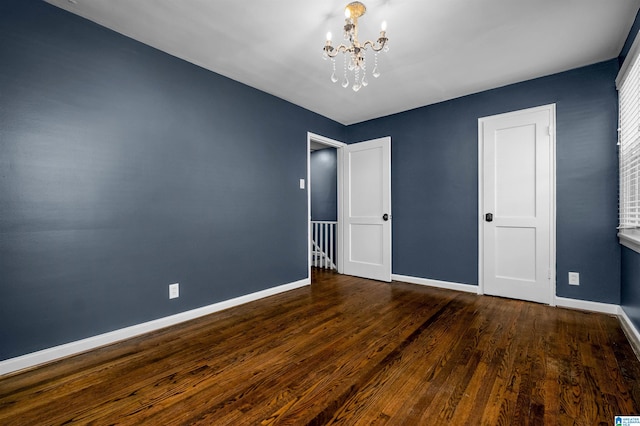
[(324, 202), (362, 235)]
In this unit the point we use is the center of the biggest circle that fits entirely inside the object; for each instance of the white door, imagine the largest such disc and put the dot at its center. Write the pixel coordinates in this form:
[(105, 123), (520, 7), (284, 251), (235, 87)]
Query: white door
[(516, 204), (367, 209)]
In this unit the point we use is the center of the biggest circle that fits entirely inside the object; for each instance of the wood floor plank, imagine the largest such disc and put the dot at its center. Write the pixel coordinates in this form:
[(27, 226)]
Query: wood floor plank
[(393, 388), (347, 351), (477, 394)]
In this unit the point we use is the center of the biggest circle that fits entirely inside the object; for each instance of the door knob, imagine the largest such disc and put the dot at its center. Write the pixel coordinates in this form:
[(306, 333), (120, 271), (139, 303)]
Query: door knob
[(385, 217), (488, 217)]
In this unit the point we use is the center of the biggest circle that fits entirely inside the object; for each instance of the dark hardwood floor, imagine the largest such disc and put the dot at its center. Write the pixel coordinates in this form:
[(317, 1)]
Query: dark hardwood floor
[(347, 351)]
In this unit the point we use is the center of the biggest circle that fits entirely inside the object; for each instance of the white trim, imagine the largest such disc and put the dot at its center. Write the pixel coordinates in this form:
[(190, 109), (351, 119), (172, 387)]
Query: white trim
[(552, 224), (468, 288), (480, 206), (325, 140), (628, 61), (340, 256), (552, 195), (630, 238), (51, 354), (632, 333), (339, 154), (586, 305)]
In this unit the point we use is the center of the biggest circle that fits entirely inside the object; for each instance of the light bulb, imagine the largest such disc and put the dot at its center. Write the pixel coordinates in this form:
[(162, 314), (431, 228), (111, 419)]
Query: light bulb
[(347, 13), (329, 36), (384, 26)]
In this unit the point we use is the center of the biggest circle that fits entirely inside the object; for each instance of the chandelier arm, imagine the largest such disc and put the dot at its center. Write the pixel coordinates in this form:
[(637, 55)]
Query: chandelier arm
[(332, 52), (375, 46)]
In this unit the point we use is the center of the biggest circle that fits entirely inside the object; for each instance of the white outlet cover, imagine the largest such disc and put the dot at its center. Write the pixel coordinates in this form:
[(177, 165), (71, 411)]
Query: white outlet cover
[(574, 278), (174, 290), (301, 183)]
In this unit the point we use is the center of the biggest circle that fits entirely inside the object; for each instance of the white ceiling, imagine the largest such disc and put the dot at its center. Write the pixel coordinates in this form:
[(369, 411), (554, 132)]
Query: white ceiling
[(439, 49)]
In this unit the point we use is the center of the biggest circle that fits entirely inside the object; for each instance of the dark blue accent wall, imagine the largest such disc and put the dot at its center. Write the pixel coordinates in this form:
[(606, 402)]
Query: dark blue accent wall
[(123, 170), (630, 288), (324, 184), (630, 285), (435, 180)]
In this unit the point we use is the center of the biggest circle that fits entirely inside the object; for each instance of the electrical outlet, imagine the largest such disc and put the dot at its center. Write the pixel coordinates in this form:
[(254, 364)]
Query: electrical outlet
[(574, 278), (174, 290)]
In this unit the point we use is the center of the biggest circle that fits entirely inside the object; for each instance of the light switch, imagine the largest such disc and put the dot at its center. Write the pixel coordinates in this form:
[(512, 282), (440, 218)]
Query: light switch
[(574, 278), (174, 290), (301, 183)]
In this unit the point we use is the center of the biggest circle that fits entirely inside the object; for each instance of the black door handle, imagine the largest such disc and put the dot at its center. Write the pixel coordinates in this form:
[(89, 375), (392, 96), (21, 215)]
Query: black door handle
[(385, 217), (488, 217)]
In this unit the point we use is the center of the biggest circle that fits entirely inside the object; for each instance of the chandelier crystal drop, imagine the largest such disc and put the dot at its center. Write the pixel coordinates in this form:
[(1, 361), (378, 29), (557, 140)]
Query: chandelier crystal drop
[(355, 60)]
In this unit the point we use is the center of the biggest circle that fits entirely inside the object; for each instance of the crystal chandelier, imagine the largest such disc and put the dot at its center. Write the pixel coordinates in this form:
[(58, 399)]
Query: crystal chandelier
[(354, 52)]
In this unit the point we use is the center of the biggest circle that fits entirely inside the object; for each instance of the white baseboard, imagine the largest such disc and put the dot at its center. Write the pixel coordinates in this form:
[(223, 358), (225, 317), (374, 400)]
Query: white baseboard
[(51, 354), (585, 305), (435, 283), (632, 333)]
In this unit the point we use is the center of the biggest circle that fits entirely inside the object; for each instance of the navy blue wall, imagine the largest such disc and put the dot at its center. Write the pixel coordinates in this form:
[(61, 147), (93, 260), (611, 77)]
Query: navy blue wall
[(630, 287), (123, 170), (435, 180), (324, 184)]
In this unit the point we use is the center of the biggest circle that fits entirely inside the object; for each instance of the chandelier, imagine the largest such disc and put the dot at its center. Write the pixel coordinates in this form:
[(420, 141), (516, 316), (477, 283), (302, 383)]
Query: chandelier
[(354, 52)]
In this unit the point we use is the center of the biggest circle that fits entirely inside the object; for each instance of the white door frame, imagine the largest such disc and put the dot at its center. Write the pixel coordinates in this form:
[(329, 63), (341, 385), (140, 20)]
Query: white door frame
[(339, 157), (552, 196)]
